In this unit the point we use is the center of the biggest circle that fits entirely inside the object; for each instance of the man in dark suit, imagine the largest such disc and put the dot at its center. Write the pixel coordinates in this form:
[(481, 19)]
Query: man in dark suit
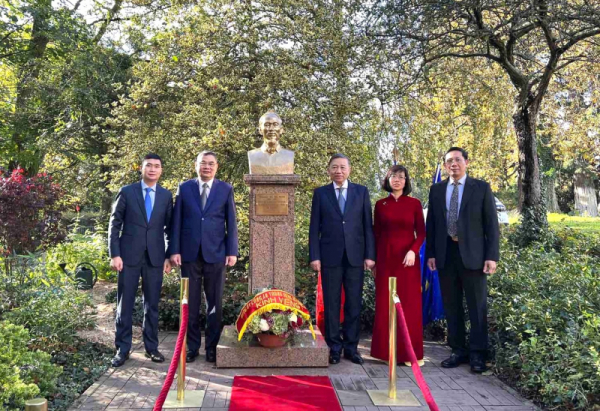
[(342, 247), (137, 240), (204, 241), (463, 245)]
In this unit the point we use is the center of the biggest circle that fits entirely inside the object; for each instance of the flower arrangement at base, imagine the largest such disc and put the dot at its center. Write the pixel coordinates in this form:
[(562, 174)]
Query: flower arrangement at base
[(273, 315)]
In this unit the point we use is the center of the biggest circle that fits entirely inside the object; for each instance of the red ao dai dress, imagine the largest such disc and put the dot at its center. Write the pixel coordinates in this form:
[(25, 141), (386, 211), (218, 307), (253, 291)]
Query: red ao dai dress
[(399, 227)]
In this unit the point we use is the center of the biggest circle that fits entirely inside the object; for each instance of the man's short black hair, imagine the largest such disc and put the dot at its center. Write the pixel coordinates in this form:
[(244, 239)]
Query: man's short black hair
[(462, 150), (152, 156), (336, 156), (385, 184), (207, 153)]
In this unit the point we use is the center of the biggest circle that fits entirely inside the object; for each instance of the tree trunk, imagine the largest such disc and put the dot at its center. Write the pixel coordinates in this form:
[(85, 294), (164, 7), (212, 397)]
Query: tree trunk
[(551, 198), (533, 209), (30, 71), (586, 203)]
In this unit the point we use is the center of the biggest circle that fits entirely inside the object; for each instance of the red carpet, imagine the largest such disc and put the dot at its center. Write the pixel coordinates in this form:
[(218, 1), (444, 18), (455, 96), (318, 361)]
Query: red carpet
[(283, 393)]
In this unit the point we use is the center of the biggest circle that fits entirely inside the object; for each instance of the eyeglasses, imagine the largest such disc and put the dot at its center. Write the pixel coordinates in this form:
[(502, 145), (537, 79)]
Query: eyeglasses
[(397, 177), (454, 160), (212, 164)]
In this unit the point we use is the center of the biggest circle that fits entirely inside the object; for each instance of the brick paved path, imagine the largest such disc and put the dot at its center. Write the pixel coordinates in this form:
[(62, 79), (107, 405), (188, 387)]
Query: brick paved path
[(137, 384)]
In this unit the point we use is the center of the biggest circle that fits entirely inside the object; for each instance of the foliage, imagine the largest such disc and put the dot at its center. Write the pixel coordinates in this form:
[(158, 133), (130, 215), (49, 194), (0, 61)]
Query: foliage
[(546, 318), (276, 322), (30, 212), (90, 247), (531, 43), (234, 298), (24, 374), (50, 307), (53, 315), (587, 225), (82, 363)]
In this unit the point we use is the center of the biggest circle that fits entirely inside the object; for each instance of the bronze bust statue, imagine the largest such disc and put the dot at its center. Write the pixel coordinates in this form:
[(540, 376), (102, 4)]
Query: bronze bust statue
[(271, 158)]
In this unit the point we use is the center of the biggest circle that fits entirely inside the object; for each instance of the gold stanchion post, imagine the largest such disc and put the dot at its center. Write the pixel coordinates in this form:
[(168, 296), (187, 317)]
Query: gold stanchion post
[(393, 397), (178, 399), (36, 404), (392, 352), (183, 295)]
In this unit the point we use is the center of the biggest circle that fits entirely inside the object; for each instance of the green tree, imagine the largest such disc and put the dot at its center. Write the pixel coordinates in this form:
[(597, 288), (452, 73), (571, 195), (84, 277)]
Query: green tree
[(531, 42)]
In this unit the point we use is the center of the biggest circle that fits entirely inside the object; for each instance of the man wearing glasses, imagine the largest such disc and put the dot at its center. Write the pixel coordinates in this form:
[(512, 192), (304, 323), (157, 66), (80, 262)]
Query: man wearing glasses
[(204, 241), (136, 244), (463, 244)]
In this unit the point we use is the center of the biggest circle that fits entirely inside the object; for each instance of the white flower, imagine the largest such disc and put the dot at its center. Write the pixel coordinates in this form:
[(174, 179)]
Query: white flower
[(264, 325), (293, 318)]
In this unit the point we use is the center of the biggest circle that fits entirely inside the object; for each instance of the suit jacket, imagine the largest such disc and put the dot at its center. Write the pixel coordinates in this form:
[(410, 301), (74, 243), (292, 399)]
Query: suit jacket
[(130, 233), (478, 232), (331, 232), (214, 228)]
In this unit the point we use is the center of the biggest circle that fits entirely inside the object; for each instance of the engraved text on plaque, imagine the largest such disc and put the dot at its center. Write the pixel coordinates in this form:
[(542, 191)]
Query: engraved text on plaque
[(271, 204)]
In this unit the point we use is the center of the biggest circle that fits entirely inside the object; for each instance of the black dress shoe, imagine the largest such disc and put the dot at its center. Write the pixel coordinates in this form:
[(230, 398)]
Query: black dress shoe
[(478, 364), (155, 356), (334, 357), (454, 361), (355, 357), (191, 356), (211, 355), (119, 359)]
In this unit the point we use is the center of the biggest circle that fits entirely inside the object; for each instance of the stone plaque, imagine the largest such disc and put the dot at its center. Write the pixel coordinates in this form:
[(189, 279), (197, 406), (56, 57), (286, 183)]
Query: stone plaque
[(271, 204)]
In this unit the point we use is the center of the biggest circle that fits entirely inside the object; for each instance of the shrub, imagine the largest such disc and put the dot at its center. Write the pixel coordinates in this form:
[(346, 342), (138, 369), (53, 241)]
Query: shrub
[(53, 315), (234, 297), (30, 212), (545, 307), (24, 374), (88, 247)]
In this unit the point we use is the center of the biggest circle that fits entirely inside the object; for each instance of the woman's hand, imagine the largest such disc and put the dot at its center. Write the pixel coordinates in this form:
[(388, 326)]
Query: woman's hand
[(409, 260)]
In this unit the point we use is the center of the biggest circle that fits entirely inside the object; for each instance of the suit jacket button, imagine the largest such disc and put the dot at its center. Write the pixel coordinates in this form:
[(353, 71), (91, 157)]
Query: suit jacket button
[(203, 219), (343, 222)]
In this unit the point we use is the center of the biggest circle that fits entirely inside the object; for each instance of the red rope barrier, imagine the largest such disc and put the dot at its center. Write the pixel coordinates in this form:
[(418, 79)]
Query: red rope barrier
[(175, 360), (413, 360)]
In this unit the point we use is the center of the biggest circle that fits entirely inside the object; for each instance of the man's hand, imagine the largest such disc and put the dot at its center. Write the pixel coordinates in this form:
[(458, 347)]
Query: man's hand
[(489, 267), (116, 263), (230, 260), (167, 266), (316, 265), (431, 264), (369, 264), (409, 259), (176, 260)]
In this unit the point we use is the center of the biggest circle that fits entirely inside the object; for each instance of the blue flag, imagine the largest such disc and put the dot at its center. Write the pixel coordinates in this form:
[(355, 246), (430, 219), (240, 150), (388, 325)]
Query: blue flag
[(433, 308)]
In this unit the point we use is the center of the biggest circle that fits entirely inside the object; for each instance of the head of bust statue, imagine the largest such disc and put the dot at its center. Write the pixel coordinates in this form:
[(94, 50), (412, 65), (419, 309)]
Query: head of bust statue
[(271, 128)]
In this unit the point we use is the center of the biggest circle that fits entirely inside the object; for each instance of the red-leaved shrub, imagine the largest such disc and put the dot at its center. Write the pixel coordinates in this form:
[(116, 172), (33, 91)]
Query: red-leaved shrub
[(29, 212)]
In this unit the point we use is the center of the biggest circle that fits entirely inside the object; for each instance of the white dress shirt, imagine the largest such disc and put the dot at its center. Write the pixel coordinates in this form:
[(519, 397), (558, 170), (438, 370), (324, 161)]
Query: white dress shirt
[(337, 191), (209, 182), (152, 192), (450, 188)]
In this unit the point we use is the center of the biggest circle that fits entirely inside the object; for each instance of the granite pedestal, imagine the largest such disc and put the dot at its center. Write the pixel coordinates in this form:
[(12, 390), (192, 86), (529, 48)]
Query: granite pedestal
[(271, 215), (300, 351)]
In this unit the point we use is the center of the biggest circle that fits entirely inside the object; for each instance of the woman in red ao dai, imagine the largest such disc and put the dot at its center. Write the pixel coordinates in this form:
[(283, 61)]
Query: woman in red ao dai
[(399, 233)]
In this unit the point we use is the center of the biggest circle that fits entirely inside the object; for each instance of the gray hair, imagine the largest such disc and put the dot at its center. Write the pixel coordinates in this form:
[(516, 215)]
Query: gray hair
[(206, 153), (336, 156)]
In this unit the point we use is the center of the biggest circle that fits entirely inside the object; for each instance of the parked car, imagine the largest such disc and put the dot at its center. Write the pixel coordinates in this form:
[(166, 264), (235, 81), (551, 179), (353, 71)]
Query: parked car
[(500, 209)]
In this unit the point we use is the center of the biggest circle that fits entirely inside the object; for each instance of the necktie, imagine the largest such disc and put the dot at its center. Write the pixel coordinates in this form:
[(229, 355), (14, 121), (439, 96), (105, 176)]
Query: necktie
[(204, 195), (148, 203), (453, 212), (341, 199)]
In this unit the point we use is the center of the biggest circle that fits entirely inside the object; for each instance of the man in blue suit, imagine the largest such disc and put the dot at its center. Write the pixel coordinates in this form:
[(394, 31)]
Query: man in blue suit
[(204, 241), (137, 241), (342, 247)]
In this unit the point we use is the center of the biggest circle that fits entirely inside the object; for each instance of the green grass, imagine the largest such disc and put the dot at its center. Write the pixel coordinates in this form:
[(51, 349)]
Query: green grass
[(586, 224)]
